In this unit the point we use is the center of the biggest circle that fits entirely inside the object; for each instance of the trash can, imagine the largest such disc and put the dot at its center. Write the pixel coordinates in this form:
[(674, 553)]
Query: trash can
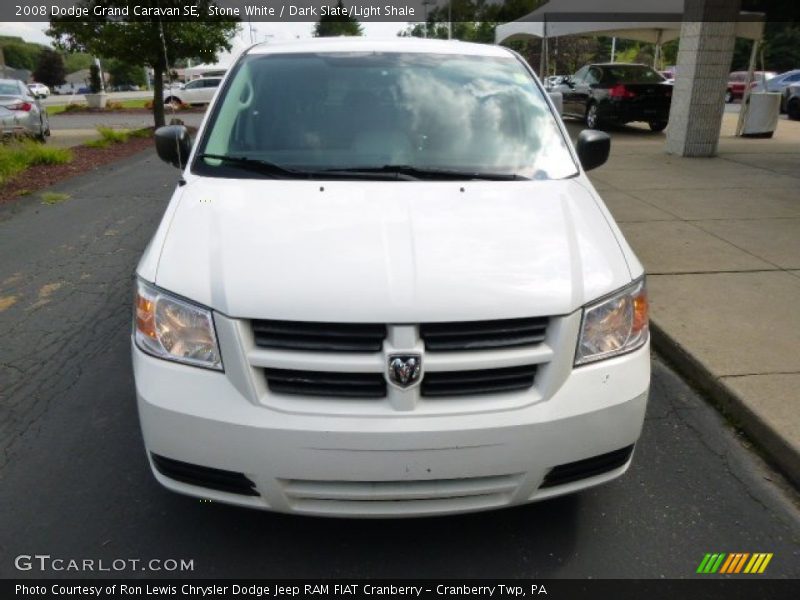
[(762, 115)]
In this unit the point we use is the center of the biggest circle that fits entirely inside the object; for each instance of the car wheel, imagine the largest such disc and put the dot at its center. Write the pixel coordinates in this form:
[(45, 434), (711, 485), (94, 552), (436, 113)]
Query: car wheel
[(657, 125), (42, 135), (173, 102), (793, 109), (592, 117), (728, 97)]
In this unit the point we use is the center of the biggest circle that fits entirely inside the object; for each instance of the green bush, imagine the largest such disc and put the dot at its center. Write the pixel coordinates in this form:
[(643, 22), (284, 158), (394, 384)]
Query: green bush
[(18, 156), (110, 136)]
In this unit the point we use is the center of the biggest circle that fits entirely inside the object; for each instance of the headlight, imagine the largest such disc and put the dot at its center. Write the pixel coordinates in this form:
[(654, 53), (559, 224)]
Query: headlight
[(614, 325), (174, 329)]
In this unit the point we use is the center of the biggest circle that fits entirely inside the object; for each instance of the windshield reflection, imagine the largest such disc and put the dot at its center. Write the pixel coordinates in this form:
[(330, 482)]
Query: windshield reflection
[(370, 110)]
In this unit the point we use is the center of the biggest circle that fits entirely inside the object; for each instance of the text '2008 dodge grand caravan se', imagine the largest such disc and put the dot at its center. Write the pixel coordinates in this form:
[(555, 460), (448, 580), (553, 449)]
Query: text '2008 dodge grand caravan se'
[(386, 287)]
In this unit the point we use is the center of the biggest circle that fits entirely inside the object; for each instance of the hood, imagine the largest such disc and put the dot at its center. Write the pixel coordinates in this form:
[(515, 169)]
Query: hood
[(394, 252)]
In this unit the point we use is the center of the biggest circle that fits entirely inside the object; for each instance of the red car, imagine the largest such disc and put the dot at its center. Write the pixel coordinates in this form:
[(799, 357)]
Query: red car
[(737, 79)]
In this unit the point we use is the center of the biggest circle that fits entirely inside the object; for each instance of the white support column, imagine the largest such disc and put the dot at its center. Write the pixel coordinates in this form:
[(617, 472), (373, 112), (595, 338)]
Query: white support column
[(706, 47)]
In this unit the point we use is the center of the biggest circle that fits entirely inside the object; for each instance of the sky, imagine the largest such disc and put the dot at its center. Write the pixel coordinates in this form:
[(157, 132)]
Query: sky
[(34, 32)]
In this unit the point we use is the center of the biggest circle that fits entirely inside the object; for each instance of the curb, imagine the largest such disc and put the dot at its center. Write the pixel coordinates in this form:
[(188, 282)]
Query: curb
[(776, 449)]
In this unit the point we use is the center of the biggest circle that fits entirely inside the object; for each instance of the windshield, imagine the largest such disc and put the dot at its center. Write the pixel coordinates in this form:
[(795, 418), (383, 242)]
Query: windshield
[(348, 111)]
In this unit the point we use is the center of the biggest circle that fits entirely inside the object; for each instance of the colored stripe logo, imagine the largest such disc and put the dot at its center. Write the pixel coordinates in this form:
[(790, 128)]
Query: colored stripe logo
[(734, 563)]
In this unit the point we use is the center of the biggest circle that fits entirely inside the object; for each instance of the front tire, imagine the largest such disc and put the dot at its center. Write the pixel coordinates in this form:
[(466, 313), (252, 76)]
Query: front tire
[(657, 125), (793, 110), (42, 135), (173, 102), (593, 117)]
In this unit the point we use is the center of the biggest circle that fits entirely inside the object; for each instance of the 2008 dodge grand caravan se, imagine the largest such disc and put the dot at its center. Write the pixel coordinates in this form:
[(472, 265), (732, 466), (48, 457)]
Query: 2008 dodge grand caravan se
[(384, 286)]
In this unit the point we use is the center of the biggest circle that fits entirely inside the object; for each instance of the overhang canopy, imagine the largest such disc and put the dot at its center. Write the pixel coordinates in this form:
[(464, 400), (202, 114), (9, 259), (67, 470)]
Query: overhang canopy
[(653, 21)]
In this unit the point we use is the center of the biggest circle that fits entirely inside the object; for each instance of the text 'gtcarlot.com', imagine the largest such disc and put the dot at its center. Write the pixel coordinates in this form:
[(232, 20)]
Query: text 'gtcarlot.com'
[(46, 562)]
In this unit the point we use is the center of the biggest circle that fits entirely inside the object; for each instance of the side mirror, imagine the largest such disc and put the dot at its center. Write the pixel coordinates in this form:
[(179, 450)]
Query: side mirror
[(593, 148), (173, 145)]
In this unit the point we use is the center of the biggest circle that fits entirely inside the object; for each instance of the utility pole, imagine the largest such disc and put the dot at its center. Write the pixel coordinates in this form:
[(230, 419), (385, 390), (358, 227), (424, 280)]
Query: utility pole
[(426, 4), (613, 48), (450, 19)]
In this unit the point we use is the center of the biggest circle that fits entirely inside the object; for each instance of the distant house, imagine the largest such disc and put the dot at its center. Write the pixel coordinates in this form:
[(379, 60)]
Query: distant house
[(75, 81), (7, 72)]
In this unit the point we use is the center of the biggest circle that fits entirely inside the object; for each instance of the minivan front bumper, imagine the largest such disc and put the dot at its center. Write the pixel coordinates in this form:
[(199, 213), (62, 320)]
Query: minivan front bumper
[(204, 438)]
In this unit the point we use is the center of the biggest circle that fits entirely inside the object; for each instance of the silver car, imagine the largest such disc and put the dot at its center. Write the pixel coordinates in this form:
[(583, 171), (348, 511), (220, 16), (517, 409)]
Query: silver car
[(20, 112), (779, 82)]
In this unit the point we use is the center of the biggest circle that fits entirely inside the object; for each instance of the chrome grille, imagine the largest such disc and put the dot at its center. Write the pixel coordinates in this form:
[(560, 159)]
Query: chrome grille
[(320, 337), (322, 383), (483, 335), (465, 383)]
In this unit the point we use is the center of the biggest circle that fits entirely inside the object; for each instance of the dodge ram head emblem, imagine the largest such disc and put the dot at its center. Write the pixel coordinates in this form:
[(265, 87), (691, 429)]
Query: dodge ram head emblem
[(404, 369)]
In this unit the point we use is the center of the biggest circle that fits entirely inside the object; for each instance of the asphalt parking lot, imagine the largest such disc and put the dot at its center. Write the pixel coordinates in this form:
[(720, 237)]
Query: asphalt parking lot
[(75, 483)]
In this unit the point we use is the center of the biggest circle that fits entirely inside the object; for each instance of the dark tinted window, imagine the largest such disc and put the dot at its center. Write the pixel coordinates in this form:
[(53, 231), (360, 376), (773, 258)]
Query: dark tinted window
[(631, 74)]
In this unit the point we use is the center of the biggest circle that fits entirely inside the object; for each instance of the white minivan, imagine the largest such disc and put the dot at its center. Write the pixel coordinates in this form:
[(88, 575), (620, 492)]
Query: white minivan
[(384, 286)]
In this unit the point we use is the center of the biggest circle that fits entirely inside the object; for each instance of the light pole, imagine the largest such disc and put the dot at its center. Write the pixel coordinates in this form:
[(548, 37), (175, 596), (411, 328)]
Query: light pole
[(426, 4), (449, 19)]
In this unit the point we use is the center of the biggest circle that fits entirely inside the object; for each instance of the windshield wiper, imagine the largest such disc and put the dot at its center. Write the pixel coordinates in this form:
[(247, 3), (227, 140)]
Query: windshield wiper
[(276, 170), (433, 173), (258, 165), (392, 172)]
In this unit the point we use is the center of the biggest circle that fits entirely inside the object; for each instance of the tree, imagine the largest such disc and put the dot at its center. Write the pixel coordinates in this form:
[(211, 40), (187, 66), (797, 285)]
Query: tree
[(77, 61), (332, 25), (124, 73), (782, 48), (50, 68), (95, 84), (19, 54), (147, 41)]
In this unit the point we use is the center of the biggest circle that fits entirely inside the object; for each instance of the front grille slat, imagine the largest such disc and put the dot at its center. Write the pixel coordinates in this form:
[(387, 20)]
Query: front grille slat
[(483, 335), (322, 383), (464, 383), (321, 337)]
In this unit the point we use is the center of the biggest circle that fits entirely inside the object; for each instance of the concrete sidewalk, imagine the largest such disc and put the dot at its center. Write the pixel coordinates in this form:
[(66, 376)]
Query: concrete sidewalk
[(720, 240)]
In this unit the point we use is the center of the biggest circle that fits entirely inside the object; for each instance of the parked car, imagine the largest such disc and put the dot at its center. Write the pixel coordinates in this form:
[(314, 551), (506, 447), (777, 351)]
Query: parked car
[(84, 89), (617, 93), (197, 91), (778, 83), (387, 287), (126, 87), (65, 89), (39, 90), (791, 101), (737, 81), (20, 111)]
